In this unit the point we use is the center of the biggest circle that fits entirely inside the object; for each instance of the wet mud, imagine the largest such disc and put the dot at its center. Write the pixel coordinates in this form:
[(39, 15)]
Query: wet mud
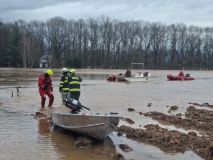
[(128, 120), (131, 109), (125, 147), (149, 104), (173, 108), (198, 119), (202, 105), (175, 141)]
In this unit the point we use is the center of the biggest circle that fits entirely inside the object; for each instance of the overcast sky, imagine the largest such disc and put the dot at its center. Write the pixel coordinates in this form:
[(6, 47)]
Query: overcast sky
[(190, 12)]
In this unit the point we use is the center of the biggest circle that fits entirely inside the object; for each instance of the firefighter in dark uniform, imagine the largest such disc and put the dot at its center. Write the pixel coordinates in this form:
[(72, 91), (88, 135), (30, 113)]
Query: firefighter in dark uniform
[(74, 86), (64, 84)]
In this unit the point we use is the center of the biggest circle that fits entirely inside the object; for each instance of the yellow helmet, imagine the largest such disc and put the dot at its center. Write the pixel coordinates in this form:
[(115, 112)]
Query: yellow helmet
[(72, 70), (49, 72)]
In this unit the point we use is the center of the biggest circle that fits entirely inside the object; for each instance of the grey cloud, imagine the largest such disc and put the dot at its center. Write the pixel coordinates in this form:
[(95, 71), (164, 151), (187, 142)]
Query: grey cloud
[(167, 11), (9, 5)]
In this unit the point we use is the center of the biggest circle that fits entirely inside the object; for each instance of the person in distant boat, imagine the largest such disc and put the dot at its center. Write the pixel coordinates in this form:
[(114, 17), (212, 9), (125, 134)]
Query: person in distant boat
[(146, 74), (46, 88), (64, 84), (128, 73), (181, 74), (74, 85)]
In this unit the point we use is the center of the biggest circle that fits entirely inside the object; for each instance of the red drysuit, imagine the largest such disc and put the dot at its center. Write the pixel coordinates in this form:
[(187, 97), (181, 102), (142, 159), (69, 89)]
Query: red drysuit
[(181, 74), (45, 88)]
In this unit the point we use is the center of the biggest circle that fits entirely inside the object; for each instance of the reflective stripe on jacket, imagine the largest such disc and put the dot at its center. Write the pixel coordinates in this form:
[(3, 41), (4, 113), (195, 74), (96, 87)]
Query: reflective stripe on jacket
[(64, 83), (75, 84)]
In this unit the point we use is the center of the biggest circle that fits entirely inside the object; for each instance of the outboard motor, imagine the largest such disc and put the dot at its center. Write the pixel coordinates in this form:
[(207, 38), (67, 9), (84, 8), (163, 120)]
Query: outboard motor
[(187, 75), (74, 105)]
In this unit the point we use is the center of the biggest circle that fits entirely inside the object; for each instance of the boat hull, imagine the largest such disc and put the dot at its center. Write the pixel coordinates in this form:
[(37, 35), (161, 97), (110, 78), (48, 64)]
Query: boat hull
[(121, 78), (95, 126), (137, 79), (111, 78), (179, 78)]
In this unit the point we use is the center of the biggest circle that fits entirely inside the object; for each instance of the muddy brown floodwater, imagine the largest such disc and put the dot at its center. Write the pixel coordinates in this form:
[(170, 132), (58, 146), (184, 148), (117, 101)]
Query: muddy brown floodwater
[(23, 137)]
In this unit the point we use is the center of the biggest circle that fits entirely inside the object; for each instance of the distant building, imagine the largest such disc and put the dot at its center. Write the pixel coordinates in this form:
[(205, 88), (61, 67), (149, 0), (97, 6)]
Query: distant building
[(45, 61)]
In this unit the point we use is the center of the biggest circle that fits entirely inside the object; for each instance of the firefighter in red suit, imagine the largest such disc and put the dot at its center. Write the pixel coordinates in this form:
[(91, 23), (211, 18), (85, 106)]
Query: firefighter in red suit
[(45, 87)]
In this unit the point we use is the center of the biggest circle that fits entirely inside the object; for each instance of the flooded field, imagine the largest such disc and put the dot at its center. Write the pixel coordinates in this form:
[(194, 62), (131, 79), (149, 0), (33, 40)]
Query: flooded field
[(23, 136)]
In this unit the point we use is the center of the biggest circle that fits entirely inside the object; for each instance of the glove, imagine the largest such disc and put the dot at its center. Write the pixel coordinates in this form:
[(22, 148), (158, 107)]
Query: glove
[(45, 87), (80, 79)]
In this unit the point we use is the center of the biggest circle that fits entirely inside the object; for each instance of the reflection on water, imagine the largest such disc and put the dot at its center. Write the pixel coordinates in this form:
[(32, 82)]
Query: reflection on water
[(44, 125), (66, 145), (23, 136)]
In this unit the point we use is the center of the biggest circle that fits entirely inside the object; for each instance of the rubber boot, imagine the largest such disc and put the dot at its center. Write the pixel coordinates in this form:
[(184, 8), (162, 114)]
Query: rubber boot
[(51, 100), (43, 99)]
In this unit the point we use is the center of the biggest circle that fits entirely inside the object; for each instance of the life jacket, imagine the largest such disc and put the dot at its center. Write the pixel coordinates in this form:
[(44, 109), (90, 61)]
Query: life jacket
[(75, 84), (44, 82), (64, 83)]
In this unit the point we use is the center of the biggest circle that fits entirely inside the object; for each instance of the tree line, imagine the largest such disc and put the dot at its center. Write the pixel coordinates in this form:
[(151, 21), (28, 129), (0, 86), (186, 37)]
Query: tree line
[(105, 43)]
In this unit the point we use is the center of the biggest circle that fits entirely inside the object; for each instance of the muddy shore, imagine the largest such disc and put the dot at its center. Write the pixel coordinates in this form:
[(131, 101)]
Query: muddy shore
[(174, 141)]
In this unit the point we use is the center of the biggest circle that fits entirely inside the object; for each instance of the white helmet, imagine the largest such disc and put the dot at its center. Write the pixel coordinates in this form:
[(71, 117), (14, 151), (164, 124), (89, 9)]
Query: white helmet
[(64, 70)]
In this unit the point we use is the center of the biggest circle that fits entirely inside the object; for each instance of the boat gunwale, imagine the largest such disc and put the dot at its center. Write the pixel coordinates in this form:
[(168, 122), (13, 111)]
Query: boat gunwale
[(87, 126), (64, 113), (137, 79)]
